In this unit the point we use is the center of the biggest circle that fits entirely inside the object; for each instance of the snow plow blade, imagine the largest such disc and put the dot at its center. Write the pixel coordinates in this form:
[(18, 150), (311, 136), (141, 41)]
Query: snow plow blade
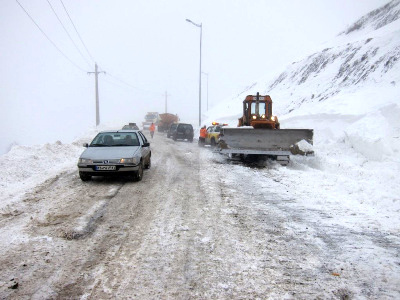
[(274, 142)]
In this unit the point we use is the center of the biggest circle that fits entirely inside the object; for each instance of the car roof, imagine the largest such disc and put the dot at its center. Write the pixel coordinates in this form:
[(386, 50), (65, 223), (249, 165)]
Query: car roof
[(120, 130)]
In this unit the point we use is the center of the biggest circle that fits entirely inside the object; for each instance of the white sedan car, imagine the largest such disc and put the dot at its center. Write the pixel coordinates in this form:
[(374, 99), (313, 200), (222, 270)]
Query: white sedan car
[(125, 152)]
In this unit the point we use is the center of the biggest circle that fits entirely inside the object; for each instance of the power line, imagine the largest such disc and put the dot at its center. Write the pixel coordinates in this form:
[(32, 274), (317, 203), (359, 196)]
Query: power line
[(130, 85), (58, 49), (65, 29), (76, 30), (83, 43)]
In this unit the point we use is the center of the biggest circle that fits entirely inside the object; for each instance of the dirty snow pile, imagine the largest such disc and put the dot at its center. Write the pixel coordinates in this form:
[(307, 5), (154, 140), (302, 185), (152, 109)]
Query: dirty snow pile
[(25, 167), (349, 94)]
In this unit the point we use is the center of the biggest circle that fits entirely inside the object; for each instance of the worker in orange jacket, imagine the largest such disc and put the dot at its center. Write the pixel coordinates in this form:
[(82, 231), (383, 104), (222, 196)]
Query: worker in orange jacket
[(152, 129), (203, 135)]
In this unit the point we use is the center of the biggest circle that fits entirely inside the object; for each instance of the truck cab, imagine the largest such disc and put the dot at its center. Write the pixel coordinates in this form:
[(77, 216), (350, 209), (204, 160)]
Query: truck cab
[(257, 112)]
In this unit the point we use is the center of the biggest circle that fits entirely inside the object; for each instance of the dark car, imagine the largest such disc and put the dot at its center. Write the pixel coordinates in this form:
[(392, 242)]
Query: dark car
[(171, 129), (183, 131)]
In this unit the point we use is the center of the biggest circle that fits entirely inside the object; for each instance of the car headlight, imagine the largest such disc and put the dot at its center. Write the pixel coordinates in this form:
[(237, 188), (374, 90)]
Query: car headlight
[(128, 160), (254, 117), (262, 116), (273, 118), (85, 161)]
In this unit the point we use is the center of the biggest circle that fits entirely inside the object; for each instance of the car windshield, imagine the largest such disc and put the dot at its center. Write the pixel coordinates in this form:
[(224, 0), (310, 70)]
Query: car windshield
[(150, 117), (184, 127), (114, 139)]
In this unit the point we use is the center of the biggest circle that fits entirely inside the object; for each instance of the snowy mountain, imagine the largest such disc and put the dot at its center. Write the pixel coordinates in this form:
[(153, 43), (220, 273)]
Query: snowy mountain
[(360, 56)]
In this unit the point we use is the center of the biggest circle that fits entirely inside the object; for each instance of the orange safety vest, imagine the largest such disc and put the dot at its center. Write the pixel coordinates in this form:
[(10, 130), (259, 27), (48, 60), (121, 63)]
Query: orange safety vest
[(203, 133), (152, 127)]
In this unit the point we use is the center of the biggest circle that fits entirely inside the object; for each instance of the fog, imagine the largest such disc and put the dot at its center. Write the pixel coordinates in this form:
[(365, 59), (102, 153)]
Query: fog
[(146, 48)]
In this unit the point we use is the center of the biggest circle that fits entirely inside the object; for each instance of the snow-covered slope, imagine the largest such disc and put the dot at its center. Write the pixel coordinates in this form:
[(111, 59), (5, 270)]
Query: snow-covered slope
[(349, 93)]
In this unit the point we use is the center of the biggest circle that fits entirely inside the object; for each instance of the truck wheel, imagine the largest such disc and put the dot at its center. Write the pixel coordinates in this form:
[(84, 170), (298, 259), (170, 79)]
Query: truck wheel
[(174, 137), (84, 176)]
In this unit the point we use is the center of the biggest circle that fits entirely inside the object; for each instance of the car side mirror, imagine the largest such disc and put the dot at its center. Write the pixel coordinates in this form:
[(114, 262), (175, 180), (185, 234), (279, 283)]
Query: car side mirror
[(85, 145), (146, 145)]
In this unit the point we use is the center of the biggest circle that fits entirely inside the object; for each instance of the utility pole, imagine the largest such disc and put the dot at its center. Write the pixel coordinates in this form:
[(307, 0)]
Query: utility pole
[(201, 33), (96, 79), (166, 101)]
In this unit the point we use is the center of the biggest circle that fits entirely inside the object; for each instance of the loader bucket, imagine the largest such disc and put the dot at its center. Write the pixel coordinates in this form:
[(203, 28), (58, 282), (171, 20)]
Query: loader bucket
[(262, 141)]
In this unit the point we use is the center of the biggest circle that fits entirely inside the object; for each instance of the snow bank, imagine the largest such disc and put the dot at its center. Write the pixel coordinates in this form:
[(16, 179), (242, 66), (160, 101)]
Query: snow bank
[(25, 167)]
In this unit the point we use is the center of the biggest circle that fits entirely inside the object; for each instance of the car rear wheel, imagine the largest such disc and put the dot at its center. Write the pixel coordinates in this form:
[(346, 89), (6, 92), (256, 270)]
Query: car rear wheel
[(84, 176)]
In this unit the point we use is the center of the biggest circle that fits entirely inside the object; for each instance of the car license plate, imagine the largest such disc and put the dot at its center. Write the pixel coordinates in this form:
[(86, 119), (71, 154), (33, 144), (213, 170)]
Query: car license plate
[(105, 168)]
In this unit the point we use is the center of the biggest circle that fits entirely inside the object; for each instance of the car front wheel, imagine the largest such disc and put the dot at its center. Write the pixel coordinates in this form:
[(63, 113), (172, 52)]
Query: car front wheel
[(84, 176), (139, 173), (148, 165)]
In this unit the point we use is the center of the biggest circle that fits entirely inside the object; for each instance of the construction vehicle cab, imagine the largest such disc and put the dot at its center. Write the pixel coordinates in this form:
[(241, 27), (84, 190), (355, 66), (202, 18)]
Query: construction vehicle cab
[(257, 112)]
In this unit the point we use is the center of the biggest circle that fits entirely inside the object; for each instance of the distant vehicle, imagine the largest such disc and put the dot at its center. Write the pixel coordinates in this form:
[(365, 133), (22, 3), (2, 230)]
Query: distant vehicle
[(150, 117), (183, 131), (171, 129), (130, 126), (166, 120), (115, 152), (213, 133)]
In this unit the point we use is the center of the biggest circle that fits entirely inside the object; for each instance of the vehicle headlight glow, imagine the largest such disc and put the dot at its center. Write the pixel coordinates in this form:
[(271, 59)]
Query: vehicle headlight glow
[(127, 160), (273, 118), (85, 161), (254, 117), (263, 116)]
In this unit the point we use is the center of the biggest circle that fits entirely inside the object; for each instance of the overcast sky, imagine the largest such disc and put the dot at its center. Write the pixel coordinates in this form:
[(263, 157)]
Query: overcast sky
[(146, 48)]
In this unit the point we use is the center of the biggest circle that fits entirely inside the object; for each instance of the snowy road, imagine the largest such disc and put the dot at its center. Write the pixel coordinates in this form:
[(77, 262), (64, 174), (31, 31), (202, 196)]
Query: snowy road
[(194, 228)]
